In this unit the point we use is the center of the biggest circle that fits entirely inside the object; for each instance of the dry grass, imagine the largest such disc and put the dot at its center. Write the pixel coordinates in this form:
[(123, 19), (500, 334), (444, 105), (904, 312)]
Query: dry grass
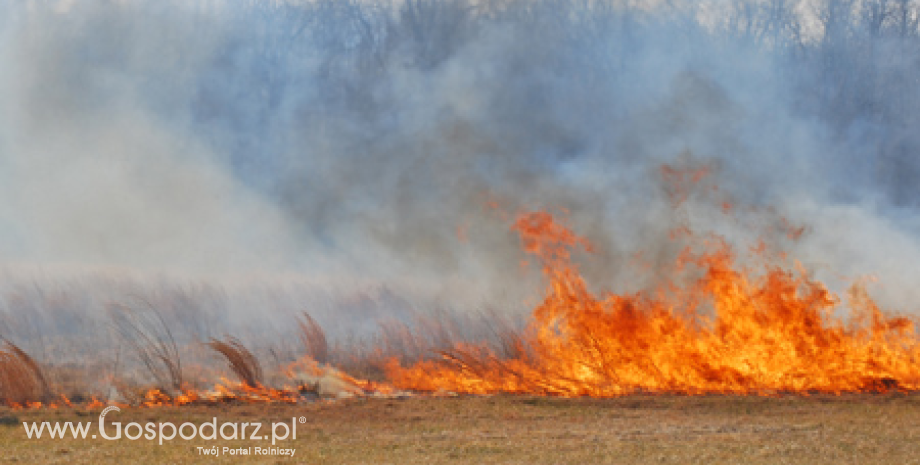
[(854, 429), (145, 330), (21, 378), (314, 338), (243, 364)]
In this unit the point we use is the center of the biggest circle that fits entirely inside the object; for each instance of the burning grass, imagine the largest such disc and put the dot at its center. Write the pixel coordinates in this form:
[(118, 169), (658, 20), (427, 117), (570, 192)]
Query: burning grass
[(596, 379), (712, 324), (767, 333)]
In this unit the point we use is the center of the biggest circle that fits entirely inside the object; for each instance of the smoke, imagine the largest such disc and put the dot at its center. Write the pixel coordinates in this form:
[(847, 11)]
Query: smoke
[(364, 141)]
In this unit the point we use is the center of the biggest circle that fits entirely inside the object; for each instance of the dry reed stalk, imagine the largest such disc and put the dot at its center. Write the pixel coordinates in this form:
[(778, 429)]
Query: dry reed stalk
[(147, 333), (314, 339), (21, 378), (243, 364)]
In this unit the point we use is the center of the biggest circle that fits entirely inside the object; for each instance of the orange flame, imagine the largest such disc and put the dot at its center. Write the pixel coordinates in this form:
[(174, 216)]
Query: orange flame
[(768, 332), (225, 391), (34, 405), (96, 403)]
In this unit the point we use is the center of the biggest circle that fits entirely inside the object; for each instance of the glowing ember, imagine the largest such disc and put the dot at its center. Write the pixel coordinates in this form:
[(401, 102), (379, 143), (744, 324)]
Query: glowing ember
[(772, 331)]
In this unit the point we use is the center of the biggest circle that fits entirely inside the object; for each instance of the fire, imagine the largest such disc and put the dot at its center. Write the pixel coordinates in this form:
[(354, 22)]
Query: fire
[(309, 380), (766, 332), (225, 391), (64, 402), (307, 374), (713, 326)]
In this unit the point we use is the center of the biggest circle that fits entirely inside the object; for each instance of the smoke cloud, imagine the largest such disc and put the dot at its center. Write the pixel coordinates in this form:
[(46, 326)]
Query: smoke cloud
[(362, 142)]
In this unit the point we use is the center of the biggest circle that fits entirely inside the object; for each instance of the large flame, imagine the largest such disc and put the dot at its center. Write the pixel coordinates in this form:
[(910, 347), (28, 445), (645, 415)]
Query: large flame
[(765, 332)]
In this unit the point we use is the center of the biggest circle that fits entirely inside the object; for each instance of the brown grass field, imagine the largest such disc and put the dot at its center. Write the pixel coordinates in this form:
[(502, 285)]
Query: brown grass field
[(860, 429)]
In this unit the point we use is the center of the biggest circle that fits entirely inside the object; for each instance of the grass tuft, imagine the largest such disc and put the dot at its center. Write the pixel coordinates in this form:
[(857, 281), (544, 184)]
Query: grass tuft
[(243, 364), (21, 378), (314, 338)]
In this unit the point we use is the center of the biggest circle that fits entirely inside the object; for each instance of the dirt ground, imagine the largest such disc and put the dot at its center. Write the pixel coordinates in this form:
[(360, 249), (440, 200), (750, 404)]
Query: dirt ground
[(509, 429)]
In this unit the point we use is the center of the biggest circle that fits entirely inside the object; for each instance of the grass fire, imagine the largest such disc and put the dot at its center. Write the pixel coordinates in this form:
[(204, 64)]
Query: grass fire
[(721, 329), (476, 231), (769, 331)]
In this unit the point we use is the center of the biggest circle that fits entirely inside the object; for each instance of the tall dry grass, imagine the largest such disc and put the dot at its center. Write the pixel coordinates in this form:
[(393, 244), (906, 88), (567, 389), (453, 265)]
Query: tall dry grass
[(313, 338), (21, 378), (114, 340), (144, 329), (241, 361)]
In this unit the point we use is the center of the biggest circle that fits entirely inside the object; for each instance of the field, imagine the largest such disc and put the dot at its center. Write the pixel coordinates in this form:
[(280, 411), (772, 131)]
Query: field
[(460, 231), (512, 429)]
